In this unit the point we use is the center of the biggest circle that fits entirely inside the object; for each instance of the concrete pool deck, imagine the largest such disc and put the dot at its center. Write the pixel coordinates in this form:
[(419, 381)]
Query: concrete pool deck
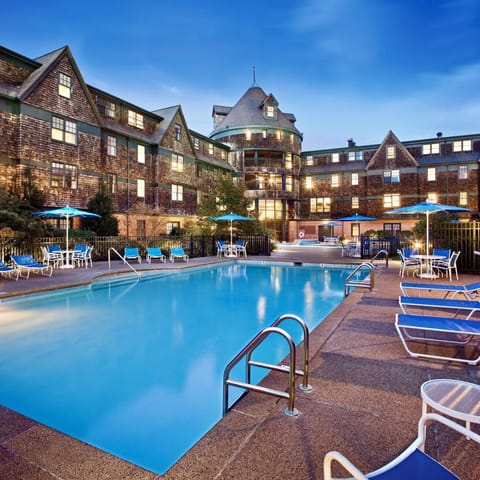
[(365, 402)]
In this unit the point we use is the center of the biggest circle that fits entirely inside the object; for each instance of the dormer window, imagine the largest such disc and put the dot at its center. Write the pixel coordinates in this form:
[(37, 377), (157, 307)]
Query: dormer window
[(270, 111), (135, 119)]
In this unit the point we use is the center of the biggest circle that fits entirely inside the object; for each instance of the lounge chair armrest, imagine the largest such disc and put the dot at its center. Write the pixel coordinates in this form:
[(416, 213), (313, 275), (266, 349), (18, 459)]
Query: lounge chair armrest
[(344, 462)]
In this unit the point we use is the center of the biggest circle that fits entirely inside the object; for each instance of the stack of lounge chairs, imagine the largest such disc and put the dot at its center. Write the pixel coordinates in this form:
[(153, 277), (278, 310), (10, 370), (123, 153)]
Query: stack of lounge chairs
[(26, 264)]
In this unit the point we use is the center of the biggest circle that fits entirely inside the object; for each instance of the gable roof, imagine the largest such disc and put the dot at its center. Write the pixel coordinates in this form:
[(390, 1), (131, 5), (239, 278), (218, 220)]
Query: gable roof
[(403, 158), (248, 111)]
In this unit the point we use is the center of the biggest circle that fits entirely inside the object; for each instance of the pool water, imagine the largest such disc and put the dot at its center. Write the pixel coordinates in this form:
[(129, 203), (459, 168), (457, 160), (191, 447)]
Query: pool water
[(136, 368)]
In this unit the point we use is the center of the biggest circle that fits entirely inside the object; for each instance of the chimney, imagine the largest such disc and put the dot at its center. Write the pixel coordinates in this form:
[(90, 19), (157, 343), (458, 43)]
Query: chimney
[(439, 134), (351, 143)]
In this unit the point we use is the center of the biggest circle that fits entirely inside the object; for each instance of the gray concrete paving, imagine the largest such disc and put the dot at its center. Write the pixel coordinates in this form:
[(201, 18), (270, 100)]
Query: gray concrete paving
[(365, 402)]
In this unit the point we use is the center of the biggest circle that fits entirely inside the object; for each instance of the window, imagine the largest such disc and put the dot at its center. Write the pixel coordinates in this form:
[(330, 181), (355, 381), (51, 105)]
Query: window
[(64, 131), (308, 182), (269, 209), (210, 148), (432, 197), (392, 228), (270, 111), (177, 163), (335, 157), (112, 146), (110, 109), (309, 161), (64, 85), (279, 134), (462, 146), (64, 176), (355, 203), (177, 132), (462, 172), (135, 119), (288, 183), (462, 199), (140, 188), (264, 133), (320, 205), (431, 149), (354, 179), (196, 144), (291, 139), (431, 174), (248, 134), (391, 151), (172, 226), (111, 183), (335, 181), (391, 176), (288, 160), (391, 200), (358, 155), (177, 193), (141, 153)]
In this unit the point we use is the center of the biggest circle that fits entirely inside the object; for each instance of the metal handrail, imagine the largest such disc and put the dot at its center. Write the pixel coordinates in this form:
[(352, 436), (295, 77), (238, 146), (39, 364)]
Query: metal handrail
[(121, 258), (306, 347), (368, 282), (248, 350), (380, 253)]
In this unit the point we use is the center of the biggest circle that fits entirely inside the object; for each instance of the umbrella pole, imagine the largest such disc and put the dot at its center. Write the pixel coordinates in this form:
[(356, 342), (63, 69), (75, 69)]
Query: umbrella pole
[(67, 263)]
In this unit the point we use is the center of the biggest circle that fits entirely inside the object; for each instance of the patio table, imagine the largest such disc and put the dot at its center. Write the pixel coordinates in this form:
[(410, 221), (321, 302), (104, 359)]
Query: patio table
[(427, 260)]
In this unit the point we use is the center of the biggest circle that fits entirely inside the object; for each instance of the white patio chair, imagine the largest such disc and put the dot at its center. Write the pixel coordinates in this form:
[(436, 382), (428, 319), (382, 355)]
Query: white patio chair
[(448, 265)]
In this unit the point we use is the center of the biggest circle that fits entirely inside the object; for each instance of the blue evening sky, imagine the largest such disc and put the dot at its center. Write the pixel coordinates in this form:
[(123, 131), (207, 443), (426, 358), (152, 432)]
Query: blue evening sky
[(345, 68)]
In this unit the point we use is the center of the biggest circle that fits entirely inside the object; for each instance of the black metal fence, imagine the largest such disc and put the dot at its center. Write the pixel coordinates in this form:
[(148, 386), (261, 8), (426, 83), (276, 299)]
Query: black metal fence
[(462, 237), (194, 245)]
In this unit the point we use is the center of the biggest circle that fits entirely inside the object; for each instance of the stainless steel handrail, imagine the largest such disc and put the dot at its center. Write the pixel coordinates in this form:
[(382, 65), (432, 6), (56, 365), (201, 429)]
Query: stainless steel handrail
[(247, 350), (121, 258), (379, 254), (306, 347), (368, 282)]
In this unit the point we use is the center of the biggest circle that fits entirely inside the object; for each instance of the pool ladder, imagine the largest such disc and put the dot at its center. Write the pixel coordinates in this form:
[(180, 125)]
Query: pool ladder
[(112, 249), (367, 282), (247, 352)]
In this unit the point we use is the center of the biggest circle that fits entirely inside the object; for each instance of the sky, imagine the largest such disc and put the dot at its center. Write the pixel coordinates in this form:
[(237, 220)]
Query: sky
[(345, 68)]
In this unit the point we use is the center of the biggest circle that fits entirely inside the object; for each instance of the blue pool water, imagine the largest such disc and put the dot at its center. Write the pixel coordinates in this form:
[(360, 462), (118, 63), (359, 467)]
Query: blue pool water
[(136, 368)]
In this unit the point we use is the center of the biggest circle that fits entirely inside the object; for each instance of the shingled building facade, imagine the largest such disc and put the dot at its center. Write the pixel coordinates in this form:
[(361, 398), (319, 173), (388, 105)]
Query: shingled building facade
[(68, 136)]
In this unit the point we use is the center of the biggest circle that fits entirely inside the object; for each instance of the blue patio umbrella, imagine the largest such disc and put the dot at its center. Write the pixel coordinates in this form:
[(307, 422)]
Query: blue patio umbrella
[(427, 207), (356, 218), (67, 213), (332, 224), (230, 217)]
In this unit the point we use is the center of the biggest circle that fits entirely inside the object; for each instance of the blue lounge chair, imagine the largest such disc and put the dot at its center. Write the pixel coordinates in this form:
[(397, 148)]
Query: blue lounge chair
[(411, 464), (8, 272), (470, 306), (178, 252), (26, 264), (155, 253), (428, 329), (469, 290), (131, 253)]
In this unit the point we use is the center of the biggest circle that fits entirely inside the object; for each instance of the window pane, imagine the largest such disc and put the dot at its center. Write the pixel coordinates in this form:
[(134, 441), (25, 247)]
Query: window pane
[(141, 153), (140, 188)]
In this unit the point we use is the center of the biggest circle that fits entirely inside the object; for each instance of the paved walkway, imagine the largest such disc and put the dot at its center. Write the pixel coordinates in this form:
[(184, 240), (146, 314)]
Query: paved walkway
[(365, 402)]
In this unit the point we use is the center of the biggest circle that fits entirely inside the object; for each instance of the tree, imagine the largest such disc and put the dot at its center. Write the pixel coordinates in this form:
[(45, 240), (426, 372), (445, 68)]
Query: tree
[(101, 204)]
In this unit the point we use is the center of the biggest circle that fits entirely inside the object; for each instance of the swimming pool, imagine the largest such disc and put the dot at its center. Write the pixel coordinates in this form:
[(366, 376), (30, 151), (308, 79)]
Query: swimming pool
[(136, 368)]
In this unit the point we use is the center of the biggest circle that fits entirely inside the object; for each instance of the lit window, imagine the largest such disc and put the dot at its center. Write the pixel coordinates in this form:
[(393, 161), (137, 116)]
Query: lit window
[(111, 146), (177, 163), (279, 134), (177, 193), (432, 197), (291, 139), (64, 131), (248, 134), (269, 209), (177, 132), (335, 157), (270, 111), (63, 176), (462, 172), (355, 202), (172, 226), (140, 188), (309, 161), (335, 180), (308, 182), (111, 182), (462, 146), (64, 85), (261, 182), (224, 154), (391, 151), (141, 153), (288, 160), (357, 155), (135, 119), (354, 179), (264, 133), (391, 200), (431, 174), (463, 199), (288, 183), (431, 149), (320, 205), (210, 148)]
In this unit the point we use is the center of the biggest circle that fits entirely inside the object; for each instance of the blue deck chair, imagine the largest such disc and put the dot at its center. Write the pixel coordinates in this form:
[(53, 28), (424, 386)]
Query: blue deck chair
[(8, 272), (178, 252), (241, 246), (470, 306), (426, 330), (469, 290), (155, 253), (131, 253), (448, 265), (26, 264), (411, 464)]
